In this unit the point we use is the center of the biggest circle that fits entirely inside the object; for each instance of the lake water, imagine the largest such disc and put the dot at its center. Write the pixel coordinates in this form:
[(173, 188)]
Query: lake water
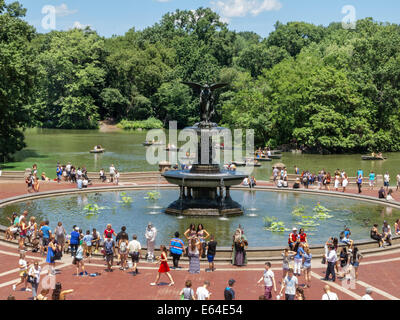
[(125, 150)]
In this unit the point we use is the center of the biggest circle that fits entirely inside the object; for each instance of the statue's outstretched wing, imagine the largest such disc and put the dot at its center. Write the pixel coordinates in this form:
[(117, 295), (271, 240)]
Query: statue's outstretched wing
[(218, 85), (195, 86)]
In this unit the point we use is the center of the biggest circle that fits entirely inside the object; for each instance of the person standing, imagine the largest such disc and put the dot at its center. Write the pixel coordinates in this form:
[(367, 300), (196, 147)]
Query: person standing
[(211, 252), (355, 257), (134, 248), (328, 295), (229, 293), (150, 235), (164, 268), (386, 180), (239, 248), (194, 255), (307, 256), (88, 240), (109, 250), (345, 181), (398, 182), (331, 257), (45, 232), (359, 182), (298, 258), (74, 241), (60, 235), (269, 281), (59, 173), (123, 251), (112, 173), (78, 259), (176, 247), (202, 293), (187, 293), (290, 284)]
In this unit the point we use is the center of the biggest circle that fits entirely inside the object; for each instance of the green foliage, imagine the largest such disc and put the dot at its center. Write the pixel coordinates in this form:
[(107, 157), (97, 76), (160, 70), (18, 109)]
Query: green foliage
[(274, 226), (153, 195), (151, 123), (125, 199), (93, 209)]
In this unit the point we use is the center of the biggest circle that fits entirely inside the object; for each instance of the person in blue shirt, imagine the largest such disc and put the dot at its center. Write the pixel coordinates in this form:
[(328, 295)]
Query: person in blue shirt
[(79, 182), (75, 239), (59, 173), (372, 180), (88, 238), (176, 248), (45, 231), (298, 258), (229, 293)]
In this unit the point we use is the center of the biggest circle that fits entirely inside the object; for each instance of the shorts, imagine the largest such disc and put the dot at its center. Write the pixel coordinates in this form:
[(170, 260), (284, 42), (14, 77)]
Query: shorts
[(14, 230), (23, 273), (371, 183), (22, 236), (135, 257), (109, 257), (210, 258), (45, 241), (386, 184), (355, 264)]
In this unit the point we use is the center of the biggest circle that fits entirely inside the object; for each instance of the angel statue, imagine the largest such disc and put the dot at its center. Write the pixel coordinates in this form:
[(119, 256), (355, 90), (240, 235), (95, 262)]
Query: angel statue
[(206, 92)]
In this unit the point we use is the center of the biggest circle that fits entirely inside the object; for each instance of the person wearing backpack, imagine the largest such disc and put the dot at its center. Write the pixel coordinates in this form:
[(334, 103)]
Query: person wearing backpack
[(109, 249), (229, 293)]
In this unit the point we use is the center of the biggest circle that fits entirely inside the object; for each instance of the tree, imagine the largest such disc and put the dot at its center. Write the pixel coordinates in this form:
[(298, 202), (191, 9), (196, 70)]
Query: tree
[(17, 74)]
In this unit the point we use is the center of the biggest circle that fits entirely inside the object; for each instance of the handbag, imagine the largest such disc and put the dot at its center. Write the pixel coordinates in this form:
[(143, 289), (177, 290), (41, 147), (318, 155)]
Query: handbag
[(31, 279), (323, 261)]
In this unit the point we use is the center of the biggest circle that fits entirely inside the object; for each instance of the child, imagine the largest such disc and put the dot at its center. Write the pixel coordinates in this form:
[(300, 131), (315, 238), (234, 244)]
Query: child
[(87, 239), (211, 251)]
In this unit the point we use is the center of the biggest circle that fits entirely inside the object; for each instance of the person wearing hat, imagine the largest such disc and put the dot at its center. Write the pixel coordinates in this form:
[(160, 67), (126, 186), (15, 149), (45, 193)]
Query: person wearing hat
[(367, 295), (296, 184), (229, 293), (293, 238), (150, 234)]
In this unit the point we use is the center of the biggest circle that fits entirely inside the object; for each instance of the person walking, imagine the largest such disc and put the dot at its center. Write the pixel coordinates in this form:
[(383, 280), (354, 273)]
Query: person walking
[(229, 293), (367, 296), (187, 293), (74, 241), (290, 284), (134, 248), (287, 257), (331, 257), (176, 247), (78, 259), (34, 278), (112, 173), (328, 294), (51, 254), (203, 293), (359, 182), (164, 268), (150, 235), (269, 281), (123, 252), (23, 272), (298, 258), (60, 234)]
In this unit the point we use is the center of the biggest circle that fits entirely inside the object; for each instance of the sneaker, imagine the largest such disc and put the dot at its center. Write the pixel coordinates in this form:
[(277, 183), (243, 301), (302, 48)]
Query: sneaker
[(27, 289), (153, 284), (86, 273), (81, 273), (14, 287)]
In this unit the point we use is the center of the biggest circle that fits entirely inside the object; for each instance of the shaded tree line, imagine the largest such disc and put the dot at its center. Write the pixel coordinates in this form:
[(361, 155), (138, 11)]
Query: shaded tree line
[(325, 88)]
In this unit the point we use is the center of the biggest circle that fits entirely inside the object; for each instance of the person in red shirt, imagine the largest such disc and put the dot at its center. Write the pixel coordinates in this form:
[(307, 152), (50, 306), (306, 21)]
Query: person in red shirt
[(302, 236), (109, 230), (293, 238)]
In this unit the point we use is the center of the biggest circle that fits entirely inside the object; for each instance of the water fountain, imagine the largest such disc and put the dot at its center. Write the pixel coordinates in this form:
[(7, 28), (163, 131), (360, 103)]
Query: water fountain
[(205, 188)]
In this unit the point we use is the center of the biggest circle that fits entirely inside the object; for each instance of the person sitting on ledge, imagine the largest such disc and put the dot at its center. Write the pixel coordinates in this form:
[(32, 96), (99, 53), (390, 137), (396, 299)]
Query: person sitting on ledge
[(375, 235), (280, 183), (296, 184), (285, 183)]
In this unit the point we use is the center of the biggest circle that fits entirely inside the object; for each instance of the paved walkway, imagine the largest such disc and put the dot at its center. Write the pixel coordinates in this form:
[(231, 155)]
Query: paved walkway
[(380, 272)]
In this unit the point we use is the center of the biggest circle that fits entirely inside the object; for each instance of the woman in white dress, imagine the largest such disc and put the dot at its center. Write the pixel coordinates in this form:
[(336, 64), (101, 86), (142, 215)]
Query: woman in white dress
[(345, 181), (337, 182)]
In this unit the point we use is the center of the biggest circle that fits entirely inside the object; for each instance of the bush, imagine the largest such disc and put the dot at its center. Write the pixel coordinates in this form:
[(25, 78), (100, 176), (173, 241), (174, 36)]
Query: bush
[(150, 123)]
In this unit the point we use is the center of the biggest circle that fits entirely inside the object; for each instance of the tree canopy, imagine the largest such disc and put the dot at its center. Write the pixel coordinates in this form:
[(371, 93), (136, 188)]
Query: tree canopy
[(324, 88)]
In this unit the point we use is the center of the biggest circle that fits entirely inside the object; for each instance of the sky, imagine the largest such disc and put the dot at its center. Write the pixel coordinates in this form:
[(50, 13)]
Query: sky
[(118, 16)]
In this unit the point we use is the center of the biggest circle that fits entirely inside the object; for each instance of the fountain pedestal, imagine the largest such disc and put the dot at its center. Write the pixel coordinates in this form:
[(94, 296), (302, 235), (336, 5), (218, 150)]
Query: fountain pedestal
[(205, 189)]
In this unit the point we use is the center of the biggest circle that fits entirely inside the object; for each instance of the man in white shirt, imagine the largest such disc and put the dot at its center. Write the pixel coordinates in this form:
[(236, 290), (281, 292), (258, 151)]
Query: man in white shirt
[(150, 234), (329, 295), (24, 215), (367, 295), (202, 292), (290, 284), (331, 258), (269, 281), (386, 180), (112, 172), (134, 248)]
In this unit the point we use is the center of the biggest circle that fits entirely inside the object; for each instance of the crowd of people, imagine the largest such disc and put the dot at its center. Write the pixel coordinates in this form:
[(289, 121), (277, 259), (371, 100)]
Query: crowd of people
[(339, 181)]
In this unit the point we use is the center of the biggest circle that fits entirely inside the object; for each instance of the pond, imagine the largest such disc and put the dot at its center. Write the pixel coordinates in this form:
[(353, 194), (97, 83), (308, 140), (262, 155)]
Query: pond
[(359, 216), (124, 149)]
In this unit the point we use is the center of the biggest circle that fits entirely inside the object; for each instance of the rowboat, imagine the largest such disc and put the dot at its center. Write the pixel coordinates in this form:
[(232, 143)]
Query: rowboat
[(171, 149), (149, 143), (239, 163), (263, 159), (98, 151), (372, 158), (275, 156)]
